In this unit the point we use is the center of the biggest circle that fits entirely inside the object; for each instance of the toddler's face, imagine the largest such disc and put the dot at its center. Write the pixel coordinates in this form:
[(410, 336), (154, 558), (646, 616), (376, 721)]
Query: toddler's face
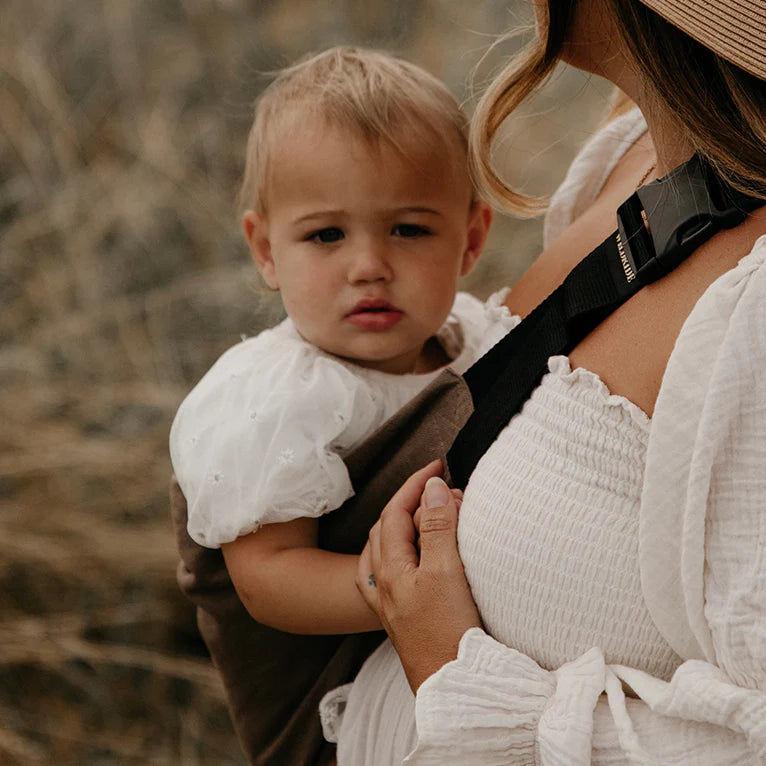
[(365, 246)]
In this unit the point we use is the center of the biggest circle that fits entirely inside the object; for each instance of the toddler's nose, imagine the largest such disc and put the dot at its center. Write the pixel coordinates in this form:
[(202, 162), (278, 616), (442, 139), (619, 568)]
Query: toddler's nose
[(370, 263)]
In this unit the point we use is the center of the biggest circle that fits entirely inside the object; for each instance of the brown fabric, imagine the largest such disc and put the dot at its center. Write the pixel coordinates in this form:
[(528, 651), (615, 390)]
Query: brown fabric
[(274, 680)]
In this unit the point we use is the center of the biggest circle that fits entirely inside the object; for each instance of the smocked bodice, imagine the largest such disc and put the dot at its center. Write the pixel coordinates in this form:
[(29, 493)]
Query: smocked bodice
[(548, 531)]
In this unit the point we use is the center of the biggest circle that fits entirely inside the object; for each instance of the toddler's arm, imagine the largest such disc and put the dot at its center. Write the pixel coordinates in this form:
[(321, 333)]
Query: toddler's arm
[(285, 581)]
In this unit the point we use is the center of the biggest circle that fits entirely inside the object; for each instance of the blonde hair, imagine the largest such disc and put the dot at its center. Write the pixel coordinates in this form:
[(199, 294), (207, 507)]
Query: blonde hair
[(720, 105), (376, 96), (516, 82)]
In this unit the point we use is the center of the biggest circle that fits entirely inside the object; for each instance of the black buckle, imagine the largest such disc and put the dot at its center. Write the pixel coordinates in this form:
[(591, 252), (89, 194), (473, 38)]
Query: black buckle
[(665, 221)]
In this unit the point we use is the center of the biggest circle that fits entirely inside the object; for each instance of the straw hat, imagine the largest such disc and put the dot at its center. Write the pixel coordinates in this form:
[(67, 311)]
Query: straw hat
[(734, 29)]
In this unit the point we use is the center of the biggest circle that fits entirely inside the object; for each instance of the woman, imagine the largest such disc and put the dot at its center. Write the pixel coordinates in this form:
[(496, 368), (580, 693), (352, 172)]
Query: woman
[(613, 538)]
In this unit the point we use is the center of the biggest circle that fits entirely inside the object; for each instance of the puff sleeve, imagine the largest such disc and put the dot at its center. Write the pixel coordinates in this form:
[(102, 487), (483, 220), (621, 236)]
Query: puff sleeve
[(261, 437)]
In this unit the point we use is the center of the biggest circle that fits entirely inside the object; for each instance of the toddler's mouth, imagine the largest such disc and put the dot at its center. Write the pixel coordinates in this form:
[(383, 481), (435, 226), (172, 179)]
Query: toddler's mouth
[(372, 305), (374, 314)]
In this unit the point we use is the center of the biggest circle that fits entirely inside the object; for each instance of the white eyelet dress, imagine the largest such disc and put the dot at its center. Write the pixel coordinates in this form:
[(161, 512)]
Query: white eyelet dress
[(261, 438)]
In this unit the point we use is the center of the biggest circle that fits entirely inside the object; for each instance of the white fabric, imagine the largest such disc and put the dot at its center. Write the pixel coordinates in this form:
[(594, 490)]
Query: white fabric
[(261, 438), (589, 171), (713, 410), (562, 544), (696, 544)]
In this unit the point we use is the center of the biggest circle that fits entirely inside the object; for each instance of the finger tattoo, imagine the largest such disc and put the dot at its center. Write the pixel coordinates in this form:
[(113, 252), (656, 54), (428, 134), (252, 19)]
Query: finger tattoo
[(371, 581)]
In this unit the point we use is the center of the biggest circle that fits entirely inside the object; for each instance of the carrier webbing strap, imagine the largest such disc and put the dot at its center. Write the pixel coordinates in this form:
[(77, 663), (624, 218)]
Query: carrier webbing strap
[(660, 225)]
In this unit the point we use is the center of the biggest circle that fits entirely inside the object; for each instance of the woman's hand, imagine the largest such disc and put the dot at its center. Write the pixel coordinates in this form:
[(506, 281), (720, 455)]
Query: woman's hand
[(423, 600)]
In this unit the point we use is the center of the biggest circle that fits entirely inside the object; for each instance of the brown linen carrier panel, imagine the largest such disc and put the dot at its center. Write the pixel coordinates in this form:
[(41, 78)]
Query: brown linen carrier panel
[(274, 680)]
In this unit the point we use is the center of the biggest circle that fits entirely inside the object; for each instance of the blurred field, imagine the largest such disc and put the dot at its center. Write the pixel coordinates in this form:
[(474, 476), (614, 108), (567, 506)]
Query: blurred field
[(122, 277)]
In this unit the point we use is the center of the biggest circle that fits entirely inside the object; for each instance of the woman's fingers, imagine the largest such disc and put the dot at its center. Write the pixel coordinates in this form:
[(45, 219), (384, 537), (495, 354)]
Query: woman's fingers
[(397, 540), (425, 602), (438, 528), (401, 507), (397, 531), (408, 495), (456, 493)]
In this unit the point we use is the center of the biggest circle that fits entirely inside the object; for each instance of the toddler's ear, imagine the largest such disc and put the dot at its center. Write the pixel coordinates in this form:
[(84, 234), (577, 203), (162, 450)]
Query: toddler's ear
[(256, 230), (479, 221)]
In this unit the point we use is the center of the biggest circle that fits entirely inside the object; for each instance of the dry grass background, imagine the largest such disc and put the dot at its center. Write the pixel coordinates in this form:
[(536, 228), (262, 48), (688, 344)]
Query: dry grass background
[(122, 276)]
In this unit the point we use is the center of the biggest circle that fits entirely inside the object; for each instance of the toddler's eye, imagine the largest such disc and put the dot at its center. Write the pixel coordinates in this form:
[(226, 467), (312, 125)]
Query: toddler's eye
[(326, 236), (409, 230)]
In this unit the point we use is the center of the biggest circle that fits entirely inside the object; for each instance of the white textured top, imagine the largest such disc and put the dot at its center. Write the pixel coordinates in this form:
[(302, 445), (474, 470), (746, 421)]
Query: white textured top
[(602, 546), (562, 545), (261, 438)]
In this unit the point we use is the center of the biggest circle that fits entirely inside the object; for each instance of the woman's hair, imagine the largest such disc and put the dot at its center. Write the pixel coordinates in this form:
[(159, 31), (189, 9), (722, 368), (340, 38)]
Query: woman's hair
[(722, 107), (518, 80), (375, 96)]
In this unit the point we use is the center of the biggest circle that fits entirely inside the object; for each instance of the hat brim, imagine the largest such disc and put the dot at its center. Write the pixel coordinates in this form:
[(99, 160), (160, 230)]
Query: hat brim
[(734, 29)]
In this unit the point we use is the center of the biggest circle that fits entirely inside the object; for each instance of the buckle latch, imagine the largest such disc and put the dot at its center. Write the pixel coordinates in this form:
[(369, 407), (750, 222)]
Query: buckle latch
[(665, 221)]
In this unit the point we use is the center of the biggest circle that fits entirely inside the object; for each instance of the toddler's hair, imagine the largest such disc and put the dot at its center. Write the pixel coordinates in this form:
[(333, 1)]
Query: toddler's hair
[(376, 96)]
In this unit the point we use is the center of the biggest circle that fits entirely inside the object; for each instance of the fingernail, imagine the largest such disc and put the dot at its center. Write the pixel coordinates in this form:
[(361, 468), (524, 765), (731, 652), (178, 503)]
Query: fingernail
[(436, 493)]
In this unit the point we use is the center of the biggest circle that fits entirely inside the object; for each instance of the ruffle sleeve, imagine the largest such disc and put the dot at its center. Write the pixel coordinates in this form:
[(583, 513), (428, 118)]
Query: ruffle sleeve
[(498, 321), (473, 327), (261, 437), (495, 706)]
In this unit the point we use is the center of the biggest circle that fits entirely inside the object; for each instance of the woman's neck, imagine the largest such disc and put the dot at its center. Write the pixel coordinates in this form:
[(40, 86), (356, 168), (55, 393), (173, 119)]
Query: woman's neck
[(669, 137)]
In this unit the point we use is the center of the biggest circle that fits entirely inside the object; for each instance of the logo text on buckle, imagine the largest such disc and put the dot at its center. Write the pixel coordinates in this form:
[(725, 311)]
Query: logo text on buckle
[(626, 267)]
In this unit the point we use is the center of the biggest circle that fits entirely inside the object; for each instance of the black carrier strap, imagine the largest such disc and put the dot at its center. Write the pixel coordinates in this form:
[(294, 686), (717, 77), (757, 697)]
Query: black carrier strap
[(658, 227)]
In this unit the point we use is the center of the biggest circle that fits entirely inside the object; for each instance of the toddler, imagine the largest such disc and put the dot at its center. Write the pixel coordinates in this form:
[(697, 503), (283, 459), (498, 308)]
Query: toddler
[(358, 208)]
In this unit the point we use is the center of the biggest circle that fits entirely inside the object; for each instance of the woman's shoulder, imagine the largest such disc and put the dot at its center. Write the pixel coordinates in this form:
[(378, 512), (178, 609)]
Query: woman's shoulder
[(590, 169), (724, 337), (731, 311), (704, 484)]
